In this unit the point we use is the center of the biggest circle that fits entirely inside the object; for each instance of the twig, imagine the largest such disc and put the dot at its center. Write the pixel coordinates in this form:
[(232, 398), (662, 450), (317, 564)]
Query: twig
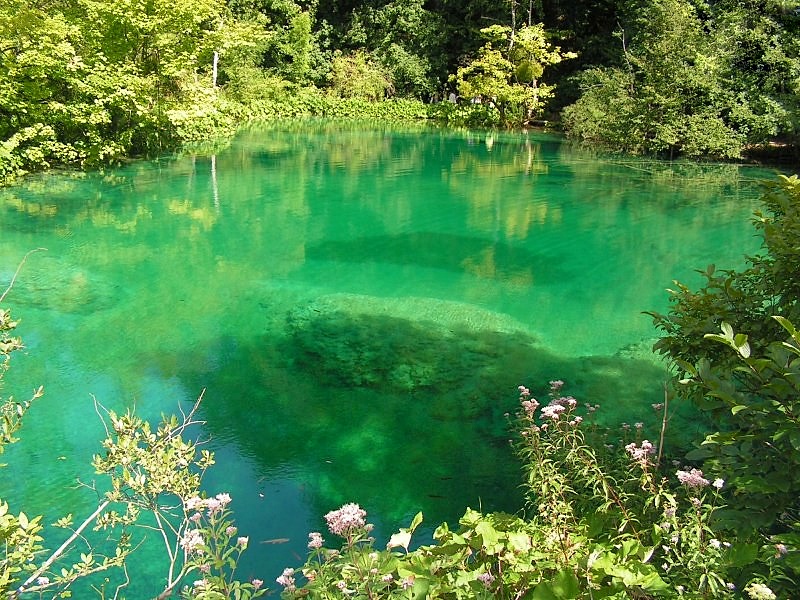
[(663, 427), (19, 268), (625, 52), (46, 564), (125, 583), (173, 557), (97, 408)]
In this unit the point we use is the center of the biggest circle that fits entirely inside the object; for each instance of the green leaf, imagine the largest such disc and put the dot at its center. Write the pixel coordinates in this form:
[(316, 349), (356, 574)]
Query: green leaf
[(700, 453), (544, 591), (740, 555), (564, 586)]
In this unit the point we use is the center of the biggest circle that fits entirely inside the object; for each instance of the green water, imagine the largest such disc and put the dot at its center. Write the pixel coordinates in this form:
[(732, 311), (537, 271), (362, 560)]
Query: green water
[(358, 302)]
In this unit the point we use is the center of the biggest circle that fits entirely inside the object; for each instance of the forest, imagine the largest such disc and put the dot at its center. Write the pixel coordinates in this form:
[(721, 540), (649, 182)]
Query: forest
[(88, 82)]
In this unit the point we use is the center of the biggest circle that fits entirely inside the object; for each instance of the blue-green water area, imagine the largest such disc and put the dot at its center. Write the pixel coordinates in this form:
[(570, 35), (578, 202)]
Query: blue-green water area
[(359, 303)]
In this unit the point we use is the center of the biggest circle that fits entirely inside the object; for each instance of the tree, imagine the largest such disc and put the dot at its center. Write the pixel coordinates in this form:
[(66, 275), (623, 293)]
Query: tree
[(357, 75), (89, 81), (406, 39), (760, 45), (506, 73), (683, 85)]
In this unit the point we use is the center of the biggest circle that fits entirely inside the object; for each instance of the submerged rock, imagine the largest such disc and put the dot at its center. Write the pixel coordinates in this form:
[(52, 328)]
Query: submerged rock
[(401, 344), (440, 314), (53, 284)]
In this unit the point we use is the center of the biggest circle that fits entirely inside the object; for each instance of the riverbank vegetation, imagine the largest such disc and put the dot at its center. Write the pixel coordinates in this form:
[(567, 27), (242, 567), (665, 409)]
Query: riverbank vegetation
[(87, 82), (610, 512)]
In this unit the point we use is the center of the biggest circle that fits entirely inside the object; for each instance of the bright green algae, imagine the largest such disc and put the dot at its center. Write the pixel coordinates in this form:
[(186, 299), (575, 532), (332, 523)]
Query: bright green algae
[(359, 303)]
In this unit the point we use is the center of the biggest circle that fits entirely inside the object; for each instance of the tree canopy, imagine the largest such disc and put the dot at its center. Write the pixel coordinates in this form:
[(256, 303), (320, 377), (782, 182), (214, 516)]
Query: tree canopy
[(90, 81)]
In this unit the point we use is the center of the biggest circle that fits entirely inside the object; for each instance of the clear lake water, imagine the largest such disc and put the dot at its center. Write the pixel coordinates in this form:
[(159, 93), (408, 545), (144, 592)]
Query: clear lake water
[(359, 303)]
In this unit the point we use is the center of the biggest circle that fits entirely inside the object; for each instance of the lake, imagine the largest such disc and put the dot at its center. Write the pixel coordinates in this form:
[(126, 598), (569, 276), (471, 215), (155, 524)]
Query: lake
[(359, 303)]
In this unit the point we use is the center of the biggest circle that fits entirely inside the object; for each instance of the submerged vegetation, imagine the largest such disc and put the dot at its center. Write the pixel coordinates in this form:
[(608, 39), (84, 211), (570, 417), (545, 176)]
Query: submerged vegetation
[(608, 512)]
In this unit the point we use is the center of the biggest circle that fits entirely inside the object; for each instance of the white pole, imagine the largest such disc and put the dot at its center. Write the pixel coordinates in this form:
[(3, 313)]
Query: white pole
[(214, 72), (214, 188)]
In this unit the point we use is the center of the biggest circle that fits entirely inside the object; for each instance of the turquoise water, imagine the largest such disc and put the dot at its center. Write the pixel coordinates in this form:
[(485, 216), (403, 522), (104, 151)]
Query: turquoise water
[(359, 304)]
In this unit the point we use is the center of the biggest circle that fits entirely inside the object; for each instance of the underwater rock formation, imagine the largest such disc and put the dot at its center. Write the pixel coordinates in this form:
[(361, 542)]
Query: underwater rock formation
[(401, 344), (54, 284)]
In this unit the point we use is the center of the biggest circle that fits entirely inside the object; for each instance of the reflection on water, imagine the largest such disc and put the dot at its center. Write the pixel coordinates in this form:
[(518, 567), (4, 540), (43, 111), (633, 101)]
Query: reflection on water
[(360, 303), (496, 260)]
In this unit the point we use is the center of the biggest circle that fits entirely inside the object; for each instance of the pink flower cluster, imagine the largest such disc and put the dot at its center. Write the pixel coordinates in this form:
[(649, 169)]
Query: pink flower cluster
[(286, 579), (346, 519), (558, 406), (552, 411), (218, 502), (315, 540), (529, 404), (192, 541), (692, 479), (566, 401), (641, 453)]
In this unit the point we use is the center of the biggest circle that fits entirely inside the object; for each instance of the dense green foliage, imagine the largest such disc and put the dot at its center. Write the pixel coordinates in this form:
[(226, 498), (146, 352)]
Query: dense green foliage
[(507, 70), (90, 81), (735, 341), (693, 79), (86, 82)]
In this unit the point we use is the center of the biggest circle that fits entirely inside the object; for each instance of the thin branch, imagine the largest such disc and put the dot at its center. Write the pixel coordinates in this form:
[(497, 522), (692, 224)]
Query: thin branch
[(664, 420), (188, 417), (98, 569), (513, 24), (625, 52), (97, 408), (53, 557), (173, 557), (125, 583), (19, 268)]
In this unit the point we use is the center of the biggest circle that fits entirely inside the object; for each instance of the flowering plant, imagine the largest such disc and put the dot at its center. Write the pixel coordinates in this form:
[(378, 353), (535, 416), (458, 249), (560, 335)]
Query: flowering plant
[(604, 520), (213, 548), (357, 568)]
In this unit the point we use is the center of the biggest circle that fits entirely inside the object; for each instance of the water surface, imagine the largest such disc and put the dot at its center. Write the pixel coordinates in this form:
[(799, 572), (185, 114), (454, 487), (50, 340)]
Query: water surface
[(358, 302)]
